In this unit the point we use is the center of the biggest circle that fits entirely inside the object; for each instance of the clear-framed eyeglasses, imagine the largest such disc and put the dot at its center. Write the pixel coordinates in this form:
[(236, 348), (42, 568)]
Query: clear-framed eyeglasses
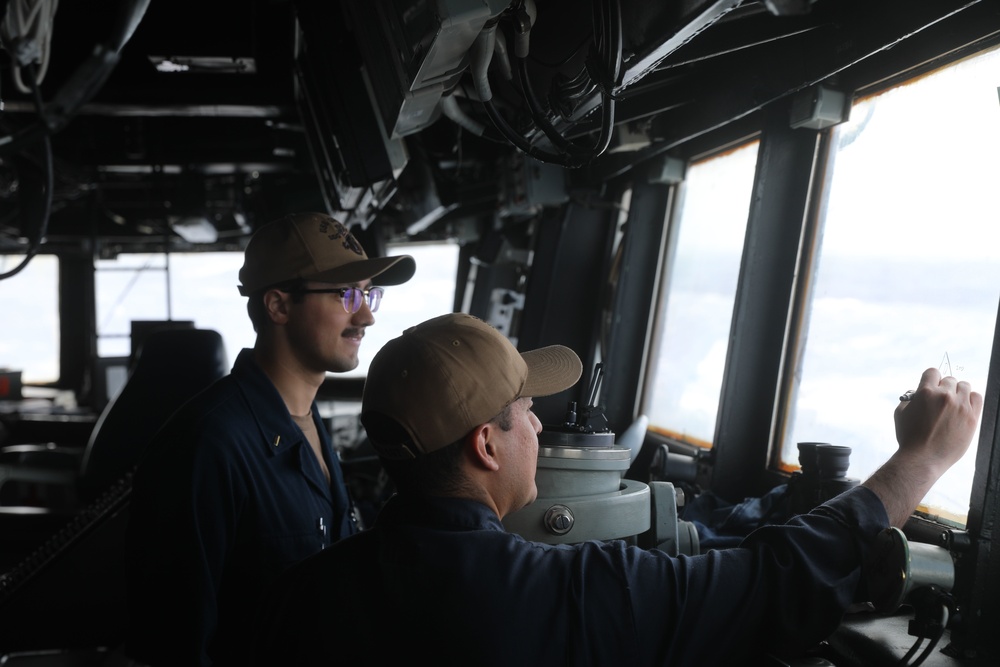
[(351, 297)]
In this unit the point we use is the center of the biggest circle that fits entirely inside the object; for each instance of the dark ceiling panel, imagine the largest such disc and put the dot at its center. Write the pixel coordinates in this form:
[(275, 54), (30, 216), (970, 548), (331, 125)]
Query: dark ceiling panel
[(240, 131)]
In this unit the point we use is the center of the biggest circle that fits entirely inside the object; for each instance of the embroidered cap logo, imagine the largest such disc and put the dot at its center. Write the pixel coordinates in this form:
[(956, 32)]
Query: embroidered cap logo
[(340, 232)]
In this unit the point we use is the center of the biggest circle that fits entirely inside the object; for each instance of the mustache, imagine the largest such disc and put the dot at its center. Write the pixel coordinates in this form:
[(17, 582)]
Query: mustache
[(351, 332)]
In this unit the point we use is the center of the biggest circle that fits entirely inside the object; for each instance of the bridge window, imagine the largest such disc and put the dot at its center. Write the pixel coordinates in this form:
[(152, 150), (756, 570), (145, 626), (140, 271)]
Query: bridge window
[(29, 337), (430, 292), (700, 276), (202, 287), (908, 270)]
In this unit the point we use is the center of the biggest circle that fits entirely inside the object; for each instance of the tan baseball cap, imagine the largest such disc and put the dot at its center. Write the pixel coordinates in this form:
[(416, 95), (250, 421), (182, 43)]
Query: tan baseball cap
[(445, 376), (314, 246)]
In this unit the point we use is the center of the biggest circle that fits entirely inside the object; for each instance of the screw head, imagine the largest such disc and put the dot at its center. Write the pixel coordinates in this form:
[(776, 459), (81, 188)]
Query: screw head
[(558, 520)]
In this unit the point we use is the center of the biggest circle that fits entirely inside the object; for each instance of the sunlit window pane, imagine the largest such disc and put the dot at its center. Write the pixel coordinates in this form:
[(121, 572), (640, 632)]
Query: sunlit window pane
[(909, 267), (430, 292), (203, 289), (693, 331), (129, 287), (29, 337)]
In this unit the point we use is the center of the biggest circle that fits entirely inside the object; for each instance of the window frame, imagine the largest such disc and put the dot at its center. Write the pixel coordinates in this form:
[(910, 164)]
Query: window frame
[(689, 445)]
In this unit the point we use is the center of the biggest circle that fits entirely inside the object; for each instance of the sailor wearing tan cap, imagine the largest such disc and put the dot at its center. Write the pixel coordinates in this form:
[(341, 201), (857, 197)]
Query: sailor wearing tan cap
[(437, 580), (243, 480)]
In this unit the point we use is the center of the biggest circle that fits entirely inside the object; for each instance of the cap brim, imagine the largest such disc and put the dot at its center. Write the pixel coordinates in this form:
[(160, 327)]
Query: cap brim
[(389, 271), (551, 370)]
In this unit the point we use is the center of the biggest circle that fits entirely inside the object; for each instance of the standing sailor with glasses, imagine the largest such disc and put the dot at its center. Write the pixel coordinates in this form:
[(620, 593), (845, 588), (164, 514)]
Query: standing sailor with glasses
[(243, 481)]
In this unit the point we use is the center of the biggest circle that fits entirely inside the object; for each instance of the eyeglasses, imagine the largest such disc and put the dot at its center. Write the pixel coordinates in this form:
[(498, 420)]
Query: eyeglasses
[(351, 297)]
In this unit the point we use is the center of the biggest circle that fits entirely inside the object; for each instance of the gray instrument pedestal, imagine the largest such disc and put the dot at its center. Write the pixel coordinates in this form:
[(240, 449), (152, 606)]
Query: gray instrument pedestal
[(582, 495)]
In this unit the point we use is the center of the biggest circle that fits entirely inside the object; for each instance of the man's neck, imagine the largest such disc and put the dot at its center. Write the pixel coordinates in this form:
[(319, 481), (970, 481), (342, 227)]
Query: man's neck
[(297, 386), (478, 489)]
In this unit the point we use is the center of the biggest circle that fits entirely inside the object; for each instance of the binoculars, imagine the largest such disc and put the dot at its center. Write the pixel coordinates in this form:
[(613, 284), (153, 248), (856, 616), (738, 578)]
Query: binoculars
[(822, 475)]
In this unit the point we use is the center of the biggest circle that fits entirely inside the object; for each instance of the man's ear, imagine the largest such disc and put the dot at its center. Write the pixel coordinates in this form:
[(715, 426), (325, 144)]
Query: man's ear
[(481, 447), (276, 305)]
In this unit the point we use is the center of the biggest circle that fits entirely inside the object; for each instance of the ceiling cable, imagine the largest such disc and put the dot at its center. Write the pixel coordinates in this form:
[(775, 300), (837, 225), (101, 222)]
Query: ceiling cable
[(35, 240), (27, 35)]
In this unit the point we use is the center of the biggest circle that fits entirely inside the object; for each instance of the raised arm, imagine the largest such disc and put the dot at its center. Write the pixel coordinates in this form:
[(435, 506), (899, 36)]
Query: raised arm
[(934, 429)]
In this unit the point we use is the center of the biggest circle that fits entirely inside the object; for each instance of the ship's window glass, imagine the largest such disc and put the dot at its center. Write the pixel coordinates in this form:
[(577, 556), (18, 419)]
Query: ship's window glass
[(908, 270), (29, 337), (202, 287), (129, 287), (689, 347), (430, 292)]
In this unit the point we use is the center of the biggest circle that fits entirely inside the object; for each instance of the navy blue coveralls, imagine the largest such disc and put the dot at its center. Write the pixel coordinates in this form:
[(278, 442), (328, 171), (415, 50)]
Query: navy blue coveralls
[(439, 581), (228, 495)]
